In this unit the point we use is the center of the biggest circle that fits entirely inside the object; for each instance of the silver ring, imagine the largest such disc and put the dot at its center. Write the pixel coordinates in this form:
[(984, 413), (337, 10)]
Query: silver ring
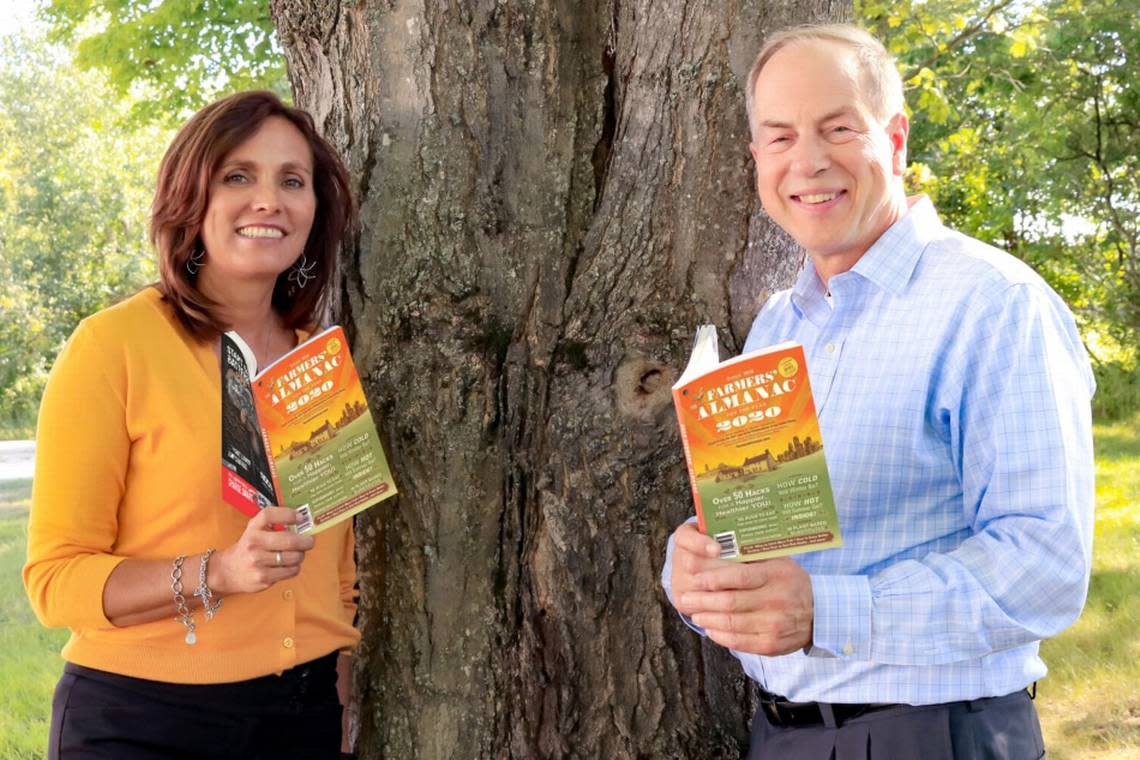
[(278, 556)]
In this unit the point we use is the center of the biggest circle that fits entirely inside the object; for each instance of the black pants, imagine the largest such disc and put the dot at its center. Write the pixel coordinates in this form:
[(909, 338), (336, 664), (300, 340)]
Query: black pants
[(998, 728), (95, 714)]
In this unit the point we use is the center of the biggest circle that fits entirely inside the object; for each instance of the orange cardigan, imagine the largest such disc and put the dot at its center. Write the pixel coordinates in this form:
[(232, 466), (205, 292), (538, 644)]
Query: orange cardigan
[(128, 464)]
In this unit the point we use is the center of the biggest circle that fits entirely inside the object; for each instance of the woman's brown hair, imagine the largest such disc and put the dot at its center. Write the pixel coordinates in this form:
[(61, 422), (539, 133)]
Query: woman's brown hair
[(182, 195)]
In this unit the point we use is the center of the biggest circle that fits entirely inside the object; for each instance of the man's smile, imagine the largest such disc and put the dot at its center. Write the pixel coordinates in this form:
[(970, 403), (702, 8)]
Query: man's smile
[(816, 197)]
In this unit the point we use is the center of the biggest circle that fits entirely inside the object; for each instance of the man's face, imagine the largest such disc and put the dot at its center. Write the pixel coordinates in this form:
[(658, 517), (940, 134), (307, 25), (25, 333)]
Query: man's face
[(826, 164)]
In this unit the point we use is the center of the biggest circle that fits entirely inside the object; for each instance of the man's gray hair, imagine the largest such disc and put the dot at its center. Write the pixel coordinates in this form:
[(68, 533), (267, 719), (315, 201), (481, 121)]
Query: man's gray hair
[(883, 85)]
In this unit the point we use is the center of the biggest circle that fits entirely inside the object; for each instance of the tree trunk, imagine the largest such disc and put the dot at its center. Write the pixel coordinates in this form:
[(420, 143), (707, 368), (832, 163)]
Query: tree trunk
[(554, 194)]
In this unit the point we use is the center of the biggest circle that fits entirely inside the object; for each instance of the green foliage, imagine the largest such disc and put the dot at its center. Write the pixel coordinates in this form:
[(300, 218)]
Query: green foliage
[(75, 186), (1117, 372), (1026, 132), (187, 52)]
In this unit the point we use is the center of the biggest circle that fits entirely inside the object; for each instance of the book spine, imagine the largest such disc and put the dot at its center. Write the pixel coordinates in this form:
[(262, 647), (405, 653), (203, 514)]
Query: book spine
[(678, 406), (272, 461), (238, 493)]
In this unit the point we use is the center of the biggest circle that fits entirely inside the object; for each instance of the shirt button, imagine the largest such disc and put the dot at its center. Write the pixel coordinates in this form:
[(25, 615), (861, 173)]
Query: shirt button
[(287, 643), (287, 593), (848, 650), (830, 348)]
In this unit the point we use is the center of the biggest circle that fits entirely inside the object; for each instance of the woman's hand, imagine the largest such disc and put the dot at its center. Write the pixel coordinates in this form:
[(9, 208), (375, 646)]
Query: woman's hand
[(261, 557)]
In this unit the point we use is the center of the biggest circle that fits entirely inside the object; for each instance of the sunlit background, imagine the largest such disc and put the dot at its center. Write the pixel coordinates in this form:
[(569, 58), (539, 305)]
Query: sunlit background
[(1024, 131)]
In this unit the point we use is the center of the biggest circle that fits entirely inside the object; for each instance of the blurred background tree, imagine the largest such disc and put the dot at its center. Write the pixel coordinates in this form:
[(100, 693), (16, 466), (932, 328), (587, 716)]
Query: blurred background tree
[(75, 184), (92, 90), (1025, 132), (186, 53)]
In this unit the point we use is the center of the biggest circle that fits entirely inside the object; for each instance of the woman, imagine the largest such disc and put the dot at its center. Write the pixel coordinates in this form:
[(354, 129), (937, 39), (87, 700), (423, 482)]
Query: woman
[(195, 631)]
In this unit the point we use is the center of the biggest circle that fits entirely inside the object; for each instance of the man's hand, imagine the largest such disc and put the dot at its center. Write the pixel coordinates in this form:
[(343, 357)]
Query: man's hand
[(762, 607)]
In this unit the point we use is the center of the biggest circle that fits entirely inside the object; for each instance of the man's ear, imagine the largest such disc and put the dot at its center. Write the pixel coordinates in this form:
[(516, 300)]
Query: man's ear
[(898, 129), (756, 167)]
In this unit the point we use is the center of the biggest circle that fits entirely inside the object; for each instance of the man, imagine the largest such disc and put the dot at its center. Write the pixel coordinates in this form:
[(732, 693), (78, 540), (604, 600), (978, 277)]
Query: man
[(953, 397)]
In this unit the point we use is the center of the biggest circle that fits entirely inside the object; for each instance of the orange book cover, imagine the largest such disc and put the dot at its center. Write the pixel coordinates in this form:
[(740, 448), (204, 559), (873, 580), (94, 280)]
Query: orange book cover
[(754, 451), (323, 451)]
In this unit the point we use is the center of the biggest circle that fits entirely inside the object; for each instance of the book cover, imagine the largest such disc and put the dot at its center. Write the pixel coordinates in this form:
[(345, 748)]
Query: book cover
[(754, 452), (322, 451), (247, 480)]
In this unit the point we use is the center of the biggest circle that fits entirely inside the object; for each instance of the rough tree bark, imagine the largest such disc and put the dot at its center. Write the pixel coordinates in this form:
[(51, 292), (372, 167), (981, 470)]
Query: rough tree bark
[(554, 194)]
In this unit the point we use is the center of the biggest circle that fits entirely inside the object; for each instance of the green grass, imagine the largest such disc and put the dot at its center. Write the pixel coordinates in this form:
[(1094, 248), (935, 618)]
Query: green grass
[(29, 655), (1089, 703), (14, 496)]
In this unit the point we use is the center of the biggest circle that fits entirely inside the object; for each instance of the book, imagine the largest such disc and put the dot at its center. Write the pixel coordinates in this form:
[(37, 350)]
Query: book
[(754, 452), (298, 433)]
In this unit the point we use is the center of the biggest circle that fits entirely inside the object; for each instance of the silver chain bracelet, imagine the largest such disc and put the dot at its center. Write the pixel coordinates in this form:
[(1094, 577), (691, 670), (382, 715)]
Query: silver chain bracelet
[(203, 591), (184, 615)]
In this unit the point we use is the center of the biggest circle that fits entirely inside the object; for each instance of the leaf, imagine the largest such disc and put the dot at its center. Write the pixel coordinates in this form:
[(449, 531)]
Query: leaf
[(185, 53), (1006, 121)]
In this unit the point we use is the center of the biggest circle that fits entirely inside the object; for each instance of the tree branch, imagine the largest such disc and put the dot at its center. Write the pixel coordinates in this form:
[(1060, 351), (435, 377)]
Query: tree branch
[(962, 37)]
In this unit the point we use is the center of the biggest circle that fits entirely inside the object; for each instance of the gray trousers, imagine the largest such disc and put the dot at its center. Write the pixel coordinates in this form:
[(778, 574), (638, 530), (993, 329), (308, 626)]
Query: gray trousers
[(998, 728)]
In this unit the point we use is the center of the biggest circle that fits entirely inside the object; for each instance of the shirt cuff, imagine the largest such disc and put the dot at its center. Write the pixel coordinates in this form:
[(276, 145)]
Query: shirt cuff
[(666, 583), (841, 625)]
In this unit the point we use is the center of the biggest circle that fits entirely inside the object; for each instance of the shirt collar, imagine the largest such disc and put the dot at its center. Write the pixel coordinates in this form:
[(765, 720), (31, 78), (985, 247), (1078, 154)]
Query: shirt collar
[(889, 262)]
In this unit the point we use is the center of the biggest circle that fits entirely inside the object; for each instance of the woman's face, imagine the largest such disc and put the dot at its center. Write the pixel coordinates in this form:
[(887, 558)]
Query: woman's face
[(261, 208)]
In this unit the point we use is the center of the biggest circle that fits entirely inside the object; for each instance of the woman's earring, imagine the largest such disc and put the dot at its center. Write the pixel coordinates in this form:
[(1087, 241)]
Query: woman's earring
[(302, 272), (196, 261)]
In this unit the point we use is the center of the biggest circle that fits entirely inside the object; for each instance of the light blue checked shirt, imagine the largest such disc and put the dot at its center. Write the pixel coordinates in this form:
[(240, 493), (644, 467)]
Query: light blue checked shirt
[(953, 397)]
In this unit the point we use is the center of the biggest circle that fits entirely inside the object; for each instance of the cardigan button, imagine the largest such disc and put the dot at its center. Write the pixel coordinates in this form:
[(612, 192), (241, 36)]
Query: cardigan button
[(287, 643)]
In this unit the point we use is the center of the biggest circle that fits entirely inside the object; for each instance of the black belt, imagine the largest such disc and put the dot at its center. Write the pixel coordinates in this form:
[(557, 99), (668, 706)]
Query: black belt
[(781, 712)]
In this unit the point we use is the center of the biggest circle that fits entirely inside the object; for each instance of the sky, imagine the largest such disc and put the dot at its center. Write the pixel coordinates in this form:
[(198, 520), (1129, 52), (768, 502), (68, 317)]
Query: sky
[(19, 15), (20, 12)]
